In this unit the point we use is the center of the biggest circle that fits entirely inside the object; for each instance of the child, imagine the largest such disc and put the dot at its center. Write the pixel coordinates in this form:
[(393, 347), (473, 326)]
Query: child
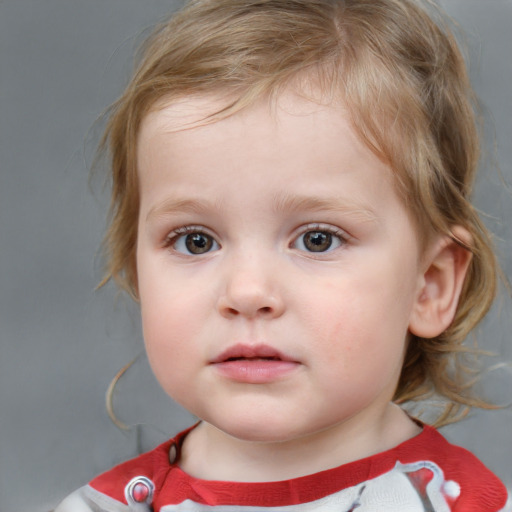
[(291, 183)]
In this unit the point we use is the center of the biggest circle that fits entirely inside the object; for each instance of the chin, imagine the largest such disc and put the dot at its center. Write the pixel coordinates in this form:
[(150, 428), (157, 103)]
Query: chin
[(260, 430)]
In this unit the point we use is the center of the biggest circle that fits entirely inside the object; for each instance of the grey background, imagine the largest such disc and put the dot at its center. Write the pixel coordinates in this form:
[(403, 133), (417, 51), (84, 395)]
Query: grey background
[(61, 63)]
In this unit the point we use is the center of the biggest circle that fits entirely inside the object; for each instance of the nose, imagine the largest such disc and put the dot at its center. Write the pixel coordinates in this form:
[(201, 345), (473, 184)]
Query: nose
[(251, 290)]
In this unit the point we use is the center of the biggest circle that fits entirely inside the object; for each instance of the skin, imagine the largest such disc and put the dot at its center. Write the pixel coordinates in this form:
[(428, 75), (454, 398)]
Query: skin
[(253, 189)]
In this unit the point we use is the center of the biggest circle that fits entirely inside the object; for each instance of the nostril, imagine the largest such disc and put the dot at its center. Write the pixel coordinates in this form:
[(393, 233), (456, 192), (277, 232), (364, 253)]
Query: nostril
[(249, 303)]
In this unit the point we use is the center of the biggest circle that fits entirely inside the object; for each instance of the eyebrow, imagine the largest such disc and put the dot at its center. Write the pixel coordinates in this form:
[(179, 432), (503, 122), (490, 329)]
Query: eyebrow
[(281, 204), (294, 203), (174, 205)]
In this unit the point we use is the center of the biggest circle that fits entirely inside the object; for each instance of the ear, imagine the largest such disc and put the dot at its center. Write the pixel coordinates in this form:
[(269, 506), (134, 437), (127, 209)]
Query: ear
[(441, 283)]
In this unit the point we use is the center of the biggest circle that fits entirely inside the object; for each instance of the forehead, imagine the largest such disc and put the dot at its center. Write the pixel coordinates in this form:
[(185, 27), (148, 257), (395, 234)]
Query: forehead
[(172, 115), (311, 143), (213, 117), (191, 111), (289, 132), (273, 129)]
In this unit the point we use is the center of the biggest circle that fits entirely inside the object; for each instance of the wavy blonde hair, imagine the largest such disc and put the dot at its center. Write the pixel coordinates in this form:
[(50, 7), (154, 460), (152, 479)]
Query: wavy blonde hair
[(397, 67)]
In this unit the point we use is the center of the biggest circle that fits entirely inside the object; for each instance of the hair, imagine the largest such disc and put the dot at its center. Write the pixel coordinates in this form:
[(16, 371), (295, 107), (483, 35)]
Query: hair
[(398, 69)]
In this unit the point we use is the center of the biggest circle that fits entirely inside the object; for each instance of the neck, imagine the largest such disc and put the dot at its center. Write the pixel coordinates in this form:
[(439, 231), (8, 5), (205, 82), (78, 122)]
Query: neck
[(210, 454)]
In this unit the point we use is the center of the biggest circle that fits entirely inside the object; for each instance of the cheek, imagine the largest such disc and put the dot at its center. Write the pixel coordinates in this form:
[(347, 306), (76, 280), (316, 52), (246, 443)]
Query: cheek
[(170, 348), (172, 323), (168, 303), (171, 326), (359, 326)]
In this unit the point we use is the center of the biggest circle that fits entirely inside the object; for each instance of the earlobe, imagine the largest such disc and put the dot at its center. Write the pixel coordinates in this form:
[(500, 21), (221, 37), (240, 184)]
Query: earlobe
[(441, 284)]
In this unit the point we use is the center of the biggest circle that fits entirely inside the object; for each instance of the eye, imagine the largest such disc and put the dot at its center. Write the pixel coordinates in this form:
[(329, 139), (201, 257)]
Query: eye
[(192, 240), (319, 240)]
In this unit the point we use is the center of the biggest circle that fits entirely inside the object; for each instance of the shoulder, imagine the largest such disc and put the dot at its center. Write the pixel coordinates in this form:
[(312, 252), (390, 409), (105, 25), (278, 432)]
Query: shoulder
[(472, 486), (457, 462), (87, 499), (130, 483), (152, 466)]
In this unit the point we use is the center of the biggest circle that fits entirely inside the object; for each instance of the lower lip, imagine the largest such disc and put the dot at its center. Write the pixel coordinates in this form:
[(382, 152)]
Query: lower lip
[(257, 371)]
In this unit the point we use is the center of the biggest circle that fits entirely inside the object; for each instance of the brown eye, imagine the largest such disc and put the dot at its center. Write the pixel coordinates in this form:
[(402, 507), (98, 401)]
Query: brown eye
[(198, 243), (317, 241), (192, 241)]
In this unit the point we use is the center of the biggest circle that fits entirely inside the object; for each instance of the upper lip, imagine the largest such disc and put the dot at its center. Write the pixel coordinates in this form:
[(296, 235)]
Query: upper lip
[(242, 351)]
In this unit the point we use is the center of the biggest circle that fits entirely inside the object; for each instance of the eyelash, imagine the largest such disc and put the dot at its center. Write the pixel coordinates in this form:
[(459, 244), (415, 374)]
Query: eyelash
[(181, 233), (335, 232)]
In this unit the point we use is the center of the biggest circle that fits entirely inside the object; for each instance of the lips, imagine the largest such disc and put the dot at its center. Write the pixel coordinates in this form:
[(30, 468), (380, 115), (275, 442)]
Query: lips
[(258, 352), (258, 364)]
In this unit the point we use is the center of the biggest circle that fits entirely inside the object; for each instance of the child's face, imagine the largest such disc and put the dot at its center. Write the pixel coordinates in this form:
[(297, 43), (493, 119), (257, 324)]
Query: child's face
[(277, 269)]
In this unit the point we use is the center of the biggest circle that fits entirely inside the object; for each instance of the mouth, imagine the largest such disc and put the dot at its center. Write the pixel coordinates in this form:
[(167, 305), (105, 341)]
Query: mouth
[(259, 364), (242, 352), (253, 359)]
